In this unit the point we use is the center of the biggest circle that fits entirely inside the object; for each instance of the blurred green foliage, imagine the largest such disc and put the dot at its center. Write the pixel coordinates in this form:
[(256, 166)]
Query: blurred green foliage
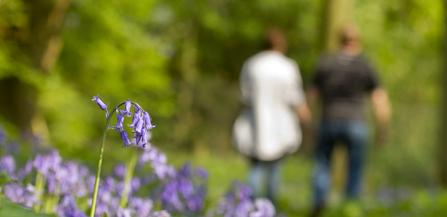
[(181, 61)]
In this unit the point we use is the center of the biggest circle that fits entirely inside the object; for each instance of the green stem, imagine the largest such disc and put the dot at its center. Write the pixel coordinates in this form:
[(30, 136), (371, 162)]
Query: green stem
[(98, 173), (128, 179), (40, 184)]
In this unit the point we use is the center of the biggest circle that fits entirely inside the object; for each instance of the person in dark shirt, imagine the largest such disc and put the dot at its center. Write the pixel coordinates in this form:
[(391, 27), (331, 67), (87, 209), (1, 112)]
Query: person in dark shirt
[(341, 81)]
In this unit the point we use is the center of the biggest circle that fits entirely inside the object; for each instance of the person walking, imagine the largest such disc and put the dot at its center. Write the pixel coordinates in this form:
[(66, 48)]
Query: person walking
[(341, 81), (268, 127)]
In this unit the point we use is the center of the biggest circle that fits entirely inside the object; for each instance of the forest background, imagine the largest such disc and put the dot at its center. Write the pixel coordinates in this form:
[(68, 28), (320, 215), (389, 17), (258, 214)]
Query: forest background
[(181, 61)]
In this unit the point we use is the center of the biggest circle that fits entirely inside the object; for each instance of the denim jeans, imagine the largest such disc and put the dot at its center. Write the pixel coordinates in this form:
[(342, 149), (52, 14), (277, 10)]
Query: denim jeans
[(264, 178), (353, 133)]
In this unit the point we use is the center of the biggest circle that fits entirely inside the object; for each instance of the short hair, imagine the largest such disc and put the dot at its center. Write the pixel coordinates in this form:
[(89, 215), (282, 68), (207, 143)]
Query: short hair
[(274, 37), (349, 33)]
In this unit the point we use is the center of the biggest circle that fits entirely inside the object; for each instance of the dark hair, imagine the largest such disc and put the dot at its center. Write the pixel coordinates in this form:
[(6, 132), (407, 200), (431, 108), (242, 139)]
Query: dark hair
[(274, 37), (349, 33)]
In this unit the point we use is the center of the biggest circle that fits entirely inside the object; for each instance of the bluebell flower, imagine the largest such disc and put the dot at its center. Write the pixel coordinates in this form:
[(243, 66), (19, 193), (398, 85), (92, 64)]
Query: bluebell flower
[(147, 120), (143, 137), (127, 106), (119, 122), (162, 213), (194, 203), (122, 212), (99, 102), (135, 118), (125, 138), (68, 208), (120, 170), (202, 173), (139, 125), (142, 207), (264, 208), (7, 164), (185, 187)]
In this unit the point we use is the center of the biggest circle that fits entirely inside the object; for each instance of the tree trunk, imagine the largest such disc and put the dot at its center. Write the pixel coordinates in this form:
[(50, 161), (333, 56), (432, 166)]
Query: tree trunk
[(443, 133), (337, 14), (41, 41)]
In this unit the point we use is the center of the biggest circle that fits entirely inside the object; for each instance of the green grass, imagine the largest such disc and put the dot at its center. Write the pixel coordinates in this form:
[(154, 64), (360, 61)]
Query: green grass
[(295, 197)]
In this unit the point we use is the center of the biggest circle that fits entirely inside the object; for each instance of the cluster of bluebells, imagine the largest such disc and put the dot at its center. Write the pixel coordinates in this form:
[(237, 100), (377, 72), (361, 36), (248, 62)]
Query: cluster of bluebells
[(66, 188), (66, 183), (238, 203), (180, 191), (141, 122)]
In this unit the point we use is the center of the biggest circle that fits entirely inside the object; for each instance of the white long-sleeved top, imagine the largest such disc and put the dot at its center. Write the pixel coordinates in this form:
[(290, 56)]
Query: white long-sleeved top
[(271, 86)]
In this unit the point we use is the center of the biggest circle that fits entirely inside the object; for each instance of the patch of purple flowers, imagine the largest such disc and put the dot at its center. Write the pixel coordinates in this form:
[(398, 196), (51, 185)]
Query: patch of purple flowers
[(238, 203)]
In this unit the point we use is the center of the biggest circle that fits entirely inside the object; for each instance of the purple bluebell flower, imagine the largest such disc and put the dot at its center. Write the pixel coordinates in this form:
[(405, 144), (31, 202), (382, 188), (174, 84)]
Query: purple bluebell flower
[(99, 102), (264, 208), (127, 106), (135, 118), (147, 120), (137, 139), (243, 208), (194, 203), (139, 125), (125, 138), (148, 155), (202, 173), (143, 140), (109, 184), (135, 184), (7, 164), (120, 170), (20, 195), (169, 196), (119, 122), (162, 213), (123, 212), (142, 207), (68, 208), (185, 187)]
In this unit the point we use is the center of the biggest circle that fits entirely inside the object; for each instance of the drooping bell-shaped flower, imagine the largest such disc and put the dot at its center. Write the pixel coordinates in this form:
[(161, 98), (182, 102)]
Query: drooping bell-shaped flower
[(147, 120), (139, 125), (119, 122), (99, 102), (136, 115), (144, 137), (127, 106), (137, 139), (125, 138)]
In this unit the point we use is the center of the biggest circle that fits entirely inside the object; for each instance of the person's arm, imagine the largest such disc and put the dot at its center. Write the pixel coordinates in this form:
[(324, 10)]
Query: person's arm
[(382, 107), (304, 114), (312, 95), (382, 110)]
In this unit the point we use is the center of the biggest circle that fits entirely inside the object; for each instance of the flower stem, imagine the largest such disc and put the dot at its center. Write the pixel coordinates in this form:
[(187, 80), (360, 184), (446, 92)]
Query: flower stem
[(98, 173), (40, 184), (128, 179)]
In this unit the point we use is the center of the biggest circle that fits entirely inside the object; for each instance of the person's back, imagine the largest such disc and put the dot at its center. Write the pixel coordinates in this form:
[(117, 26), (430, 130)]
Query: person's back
[(342, 80), (267, 129), (271, 85)]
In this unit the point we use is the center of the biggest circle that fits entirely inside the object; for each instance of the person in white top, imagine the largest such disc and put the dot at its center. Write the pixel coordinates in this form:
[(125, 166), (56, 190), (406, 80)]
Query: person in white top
[(268, 127)]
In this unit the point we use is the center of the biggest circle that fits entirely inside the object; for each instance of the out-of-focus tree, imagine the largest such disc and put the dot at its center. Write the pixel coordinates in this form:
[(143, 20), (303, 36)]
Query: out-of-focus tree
[(443, 135), (56, 54)]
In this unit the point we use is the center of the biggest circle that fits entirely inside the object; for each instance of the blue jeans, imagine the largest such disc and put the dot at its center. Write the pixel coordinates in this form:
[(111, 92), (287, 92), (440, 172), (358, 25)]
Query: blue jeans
[(264, 178), (352, 133)]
